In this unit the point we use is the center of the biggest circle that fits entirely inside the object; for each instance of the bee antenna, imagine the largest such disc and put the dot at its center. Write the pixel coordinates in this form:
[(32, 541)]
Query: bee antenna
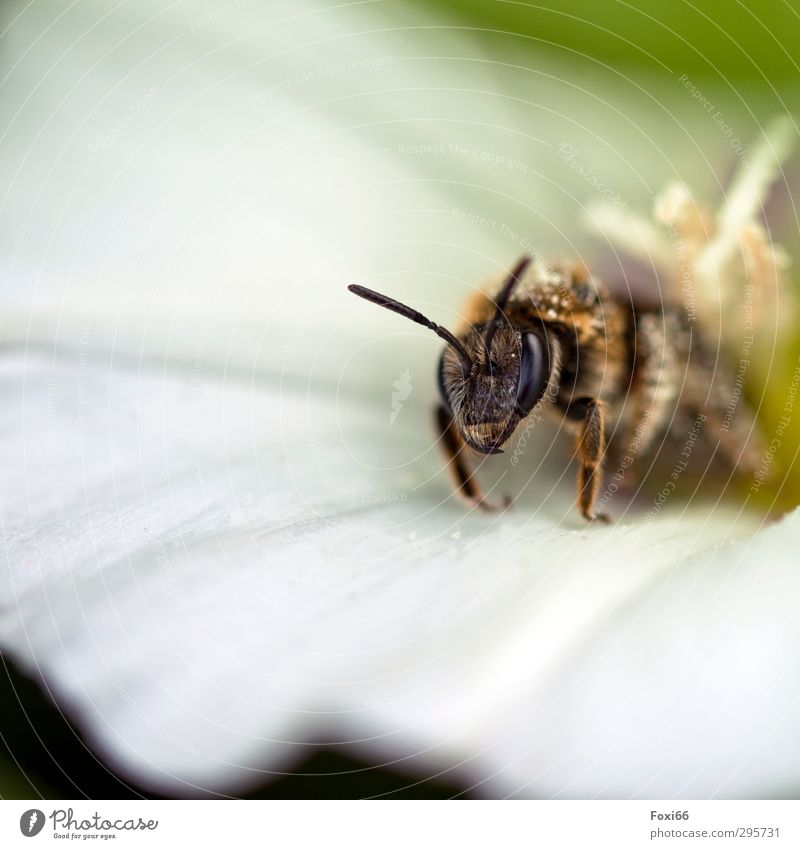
[(501, 300), (418, 317)]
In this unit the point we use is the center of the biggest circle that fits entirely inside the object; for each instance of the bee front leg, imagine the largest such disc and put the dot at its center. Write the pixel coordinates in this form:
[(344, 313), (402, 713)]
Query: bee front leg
[(590, 449), (455, 450)]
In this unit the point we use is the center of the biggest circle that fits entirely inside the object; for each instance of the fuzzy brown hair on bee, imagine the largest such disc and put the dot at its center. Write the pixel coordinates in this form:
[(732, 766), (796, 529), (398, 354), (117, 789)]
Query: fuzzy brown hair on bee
[(554, 338)]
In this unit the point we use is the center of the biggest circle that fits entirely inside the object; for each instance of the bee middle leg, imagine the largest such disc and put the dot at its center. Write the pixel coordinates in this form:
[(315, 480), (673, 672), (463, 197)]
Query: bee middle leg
[(590, 449), (455, 450)]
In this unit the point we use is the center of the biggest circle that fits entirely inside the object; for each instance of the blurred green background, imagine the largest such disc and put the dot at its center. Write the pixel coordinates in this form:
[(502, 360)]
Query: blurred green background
[(727, 44)]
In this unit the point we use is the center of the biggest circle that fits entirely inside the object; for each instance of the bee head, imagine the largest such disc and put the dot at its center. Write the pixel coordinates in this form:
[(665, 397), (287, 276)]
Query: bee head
[(489, 401), (493, 376)]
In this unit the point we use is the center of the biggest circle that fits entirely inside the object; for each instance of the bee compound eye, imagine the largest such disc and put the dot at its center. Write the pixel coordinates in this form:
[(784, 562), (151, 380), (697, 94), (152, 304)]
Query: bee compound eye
[(532, 373)]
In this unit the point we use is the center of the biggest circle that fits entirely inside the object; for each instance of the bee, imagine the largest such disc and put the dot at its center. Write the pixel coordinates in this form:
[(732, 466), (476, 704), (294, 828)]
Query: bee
[(621, 379)]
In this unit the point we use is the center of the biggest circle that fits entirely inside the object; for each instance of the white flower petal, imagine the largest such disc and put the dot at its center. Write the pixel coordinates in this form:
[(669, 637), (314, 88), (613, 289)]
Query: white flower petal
[(205, 602)]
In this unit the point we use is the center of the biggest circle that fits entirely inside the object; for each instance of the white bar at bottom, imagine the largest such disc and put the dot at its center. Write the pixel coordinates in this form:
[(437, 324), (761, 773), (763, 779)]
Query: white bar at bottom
[(387, 824)]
